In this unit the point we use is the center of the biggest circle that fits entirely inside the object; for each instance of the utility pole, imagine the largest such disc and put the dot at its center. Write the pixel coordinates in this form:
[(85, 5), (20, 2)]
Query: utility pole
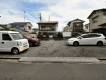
[(49, 18), (24, 15), (40, 17)]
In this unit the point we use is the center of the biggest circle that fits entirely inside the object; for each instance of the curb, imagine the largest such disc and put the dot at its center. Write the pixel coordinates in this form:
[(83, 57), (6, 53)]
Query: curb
[(101, 58), (59, 59), (9, 57), (56, 59)]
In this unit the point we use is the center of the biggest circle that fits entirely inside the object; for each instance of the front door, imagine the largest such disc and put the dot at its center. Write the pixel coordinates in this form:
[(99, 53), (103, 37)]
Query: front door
[(86, 40)]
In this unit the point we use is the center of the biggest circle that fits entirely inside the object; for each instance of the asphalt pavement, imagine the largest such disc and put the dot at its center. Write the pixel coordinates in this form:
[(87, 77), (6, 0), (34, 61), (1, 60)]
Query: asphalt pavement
[(52, 71)]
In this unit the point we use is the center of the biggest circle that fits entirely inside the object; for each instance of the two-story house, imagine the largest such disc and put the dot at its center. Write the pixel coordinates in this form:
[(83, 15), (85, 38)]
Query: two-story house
[(97, 21), (86, 27), (21, 26), (67, 29), (3, 27), (76, 25), (47, 28)]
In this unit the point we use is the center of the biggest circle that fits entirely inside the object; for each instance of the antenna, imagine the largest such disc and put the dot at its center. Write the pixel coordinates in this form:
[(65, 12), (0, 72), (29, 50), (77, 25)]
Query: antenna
[(49, 18)]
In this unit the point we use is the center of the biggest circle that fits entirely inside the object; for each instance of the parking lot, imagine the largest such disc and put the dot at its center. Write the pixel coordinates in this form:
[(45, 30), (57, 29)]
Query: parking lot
[(58, 48)]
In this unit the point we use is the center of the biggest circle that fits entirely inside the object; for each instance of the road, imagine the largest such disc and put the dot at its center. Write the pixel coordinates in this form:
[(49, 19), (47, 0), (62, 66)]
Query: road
[(52, 71), (58, 48)]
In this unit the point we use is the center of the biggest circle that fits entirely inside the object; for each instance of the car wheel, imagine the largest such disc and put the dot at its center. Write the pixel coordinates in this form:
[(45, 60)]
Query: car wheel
[(30, 44), (15, 51), (99, 43), (75, 43)]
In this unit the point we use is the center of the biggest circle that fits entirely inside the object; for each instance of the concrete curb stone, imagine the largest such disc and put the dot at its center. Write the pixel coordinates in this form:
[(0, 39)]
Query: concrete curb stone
[(59, 59)]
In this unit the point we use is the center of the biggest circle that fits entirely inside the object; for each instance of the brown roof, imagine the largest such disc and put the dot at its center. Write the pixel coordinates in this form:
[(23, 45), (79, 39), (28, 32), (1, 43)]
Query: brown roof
[(94, 11), (21, 24), (75, 20)]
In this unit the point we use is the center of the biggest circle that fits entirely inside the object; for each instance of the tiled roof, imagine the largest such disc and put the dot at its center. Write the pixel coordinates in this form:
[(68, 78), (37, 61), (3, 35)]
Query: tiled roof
[(94, 11), (21, 24), (75, 20)]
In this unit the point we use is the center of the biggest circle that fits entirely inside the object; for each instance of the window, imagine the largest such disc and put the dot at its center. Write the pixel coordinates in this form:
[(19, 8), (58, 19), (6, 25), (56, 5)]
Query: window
[(16, 36), (94, 35), (29, 27), (91, 35), (6, 37), (94, 19), (85, 36)]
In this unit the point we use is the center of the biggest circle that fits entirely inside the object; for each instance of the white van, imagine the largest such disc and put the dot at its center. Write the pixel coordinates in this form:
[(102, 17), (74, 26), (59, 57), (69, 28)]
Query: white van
[(11, 41)]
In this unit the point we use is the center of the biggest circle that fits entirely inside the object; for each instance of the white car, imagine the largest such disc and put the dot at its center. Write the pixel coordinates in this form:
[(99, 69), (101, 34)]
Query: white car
[(88, 39), (11, 41)]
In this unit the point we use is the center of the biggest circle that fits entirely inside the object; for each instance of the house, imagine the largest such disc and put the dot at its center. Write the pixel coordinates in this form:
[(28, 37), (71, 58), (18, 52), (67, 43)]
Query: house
[(76, 25), (67, 29), (21, 26), (35, 30), (86, 27), (97, 21), (47, 28), (3, 27)]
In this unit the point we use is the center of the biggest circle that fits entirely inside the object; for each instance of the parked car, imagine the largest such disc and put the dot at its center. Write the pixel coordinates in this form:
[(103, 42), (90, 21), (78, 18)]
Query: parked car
[(11, 41), (88, 39), (58, 36), (33, 41), (75, 34)]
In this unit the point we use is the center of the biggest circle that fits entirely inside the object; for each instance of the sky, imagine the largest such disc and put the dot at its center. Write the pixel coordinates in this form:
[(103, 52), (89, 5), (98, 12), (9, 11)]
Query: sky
[(62, 11)]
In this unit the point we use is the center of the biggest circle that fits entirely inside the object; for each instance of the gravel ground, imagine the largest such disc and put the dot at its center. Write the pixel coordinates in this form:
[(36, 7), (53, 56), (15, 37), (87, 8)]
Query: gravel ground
[(58, 48)]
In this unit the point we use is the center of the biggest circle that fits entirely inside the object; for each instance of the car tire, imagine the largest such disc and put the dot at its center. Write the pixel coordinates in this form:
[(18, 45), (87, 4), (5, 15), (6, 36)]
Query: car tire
[(15, 51), (100, 43), (75, 43), (30, 44)]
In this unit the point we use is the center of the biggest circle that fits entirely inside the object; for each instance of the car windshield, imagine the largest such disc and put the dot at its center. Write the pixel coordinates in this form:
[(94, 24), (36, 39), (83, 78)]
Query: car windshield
[(16, 36)]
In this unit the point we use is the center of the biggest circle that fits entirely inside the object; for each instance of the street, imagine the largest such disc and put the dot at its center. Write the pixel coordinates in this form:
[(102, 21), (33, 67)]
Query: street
[(52, 71), (58, 48)]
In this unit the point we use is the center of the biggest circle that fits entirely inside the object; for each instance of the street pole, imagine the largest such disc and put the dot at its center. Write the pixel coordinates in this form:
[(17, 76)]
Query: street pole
[(24, 16), (40, 17)]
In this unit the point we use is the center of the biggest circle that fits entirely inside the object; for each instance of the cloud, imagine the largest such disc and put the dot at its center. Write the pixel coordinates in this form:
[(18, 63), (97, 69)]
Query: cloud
[(58, 10), (67, 10), (47, 2)]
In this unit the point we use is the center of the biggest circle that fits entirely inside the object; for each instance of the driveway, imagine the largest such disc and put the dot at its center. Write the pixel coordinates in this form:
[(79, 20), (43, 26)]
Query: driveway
[(58, 48)]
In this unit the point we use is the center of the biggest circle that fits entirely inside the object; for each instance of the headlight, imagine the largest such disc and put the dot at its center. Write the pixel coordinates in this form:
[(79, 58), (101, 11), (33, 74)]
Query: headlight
[(19, 43)]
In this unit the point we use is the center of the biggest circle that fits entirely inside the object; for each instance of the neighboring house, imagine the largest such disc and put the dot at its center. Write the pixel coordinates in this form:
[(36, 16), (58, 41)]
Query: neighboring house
[(97, 21), (86, 27), (67, 29), (22, 26), (35, 30), (76, 25), (47, 28), (3, 27)]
